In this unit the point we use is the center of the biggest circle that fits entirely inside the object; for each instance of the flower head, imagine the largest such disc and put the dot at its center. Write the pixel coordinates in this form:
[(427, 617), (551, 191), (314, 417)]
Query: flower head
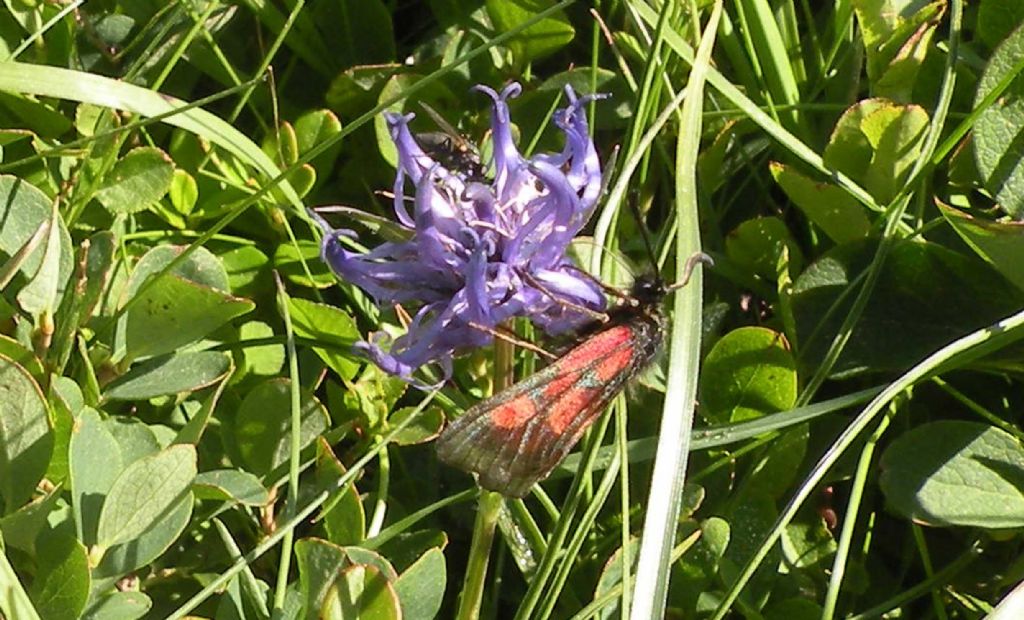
[(480, 251)]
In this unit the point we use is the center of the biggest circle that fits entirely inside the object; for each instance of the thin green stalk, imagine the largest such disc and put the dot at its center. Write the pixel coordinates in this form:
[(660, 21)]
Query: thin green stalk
[(985, 414), (250, 585), (850, 518), (554, 551), (295, 449), (37, 35), (625, 531), (184, 44), (488, 506), (606, 598), (405, 523), (488, 509), (583, 529), (929, 570), (380, 504), (670, 461), (941, 577)]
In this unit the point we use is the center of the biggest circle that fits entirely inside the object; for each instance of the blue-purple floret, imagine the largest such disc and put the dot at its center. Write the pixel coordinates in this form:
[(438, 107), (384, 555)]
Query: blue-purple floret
[(481, 251)]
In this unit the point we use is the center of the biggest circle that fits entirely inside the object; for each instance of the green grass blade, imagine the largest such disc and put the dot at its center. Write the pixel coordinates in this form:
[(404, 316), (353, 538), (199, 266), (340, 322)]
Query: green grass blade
[(44, 81), (684, 358)]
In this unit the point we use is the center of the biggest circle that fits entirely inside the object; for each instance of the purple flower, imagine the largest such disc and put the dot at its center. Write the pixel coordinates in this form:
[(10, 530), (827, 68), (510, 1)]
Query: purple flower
[(480, 251)]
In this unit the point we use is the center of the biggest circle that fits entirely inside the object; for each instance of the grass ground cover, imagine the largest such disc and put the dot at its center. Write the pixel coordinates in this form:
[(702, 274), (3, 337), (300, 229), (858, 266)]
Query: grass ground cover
[(192, 423)]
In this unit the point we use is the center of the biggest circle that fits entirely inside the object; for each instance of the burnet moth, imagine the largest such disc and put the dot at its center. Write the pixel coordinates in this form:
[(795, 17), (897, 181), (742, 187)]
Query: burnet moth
[(514, 439)]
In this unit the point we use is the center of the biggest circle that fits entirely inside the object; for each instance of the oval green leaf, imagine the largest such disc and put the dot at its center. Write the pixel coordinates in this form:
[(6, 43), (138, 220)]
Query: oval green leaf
[(838, 213), (173, 312), (331, 326), (169, 374), (136, 181), (956, 473), (25, 438), (144, 492), (998, 151), (61, 586), (122, 559), (94, 462), (232, 485), (23, 209), (750, 372), (420, 588)]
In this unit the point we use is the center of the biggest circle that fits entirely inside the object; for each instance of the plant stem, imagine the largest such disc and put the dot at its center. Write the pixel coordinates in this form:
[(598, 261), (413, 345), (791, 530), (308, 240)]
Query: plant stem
[(488, 507)]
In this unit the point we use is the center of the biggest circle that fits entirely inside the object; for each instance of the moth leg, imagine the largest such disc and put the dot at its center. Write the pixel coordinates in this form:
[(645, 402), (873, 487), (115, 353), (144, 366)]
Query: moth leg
[(594, 314), (508, 336)]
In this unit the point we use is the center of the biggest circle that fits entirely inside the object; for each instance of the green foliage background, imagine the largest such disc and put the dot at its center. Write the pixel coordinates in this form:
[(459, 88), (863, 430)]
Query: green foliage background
[(185, 431)]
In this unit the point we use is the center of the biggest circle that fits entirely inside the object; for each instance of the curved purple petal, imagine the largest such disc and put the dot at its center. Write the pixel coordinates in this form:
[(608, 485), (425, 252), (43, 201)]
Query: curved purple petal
[(482, 252)]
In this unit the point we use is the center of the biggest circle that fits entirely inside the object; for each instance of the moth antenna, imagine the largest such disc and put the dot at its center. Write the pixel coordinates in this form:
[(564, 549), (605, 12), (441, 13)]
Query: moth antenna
[(646, 236), (691, 264)]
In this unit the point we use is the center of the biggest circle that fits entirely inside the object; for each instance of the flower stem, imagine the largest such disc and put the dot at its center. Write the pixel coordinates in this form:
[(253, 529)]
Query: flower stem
[(488, 507)]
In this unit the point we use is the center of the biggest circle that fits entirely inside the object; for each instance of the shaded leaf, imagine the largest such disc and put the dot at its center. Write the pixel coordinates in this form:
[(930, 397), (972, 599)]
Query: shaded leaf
[(925, 293), (424, 428), (135, 439), (119, 606), (342, 514), (263, 425), (999, 243), (26, 441), (137, 180), (763, 244), (838, 214)]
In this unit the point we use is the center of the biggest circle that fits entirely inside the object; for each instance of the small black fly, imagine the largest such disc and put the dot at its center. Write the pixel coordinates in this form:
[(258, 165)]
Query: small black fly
[(451, 149)]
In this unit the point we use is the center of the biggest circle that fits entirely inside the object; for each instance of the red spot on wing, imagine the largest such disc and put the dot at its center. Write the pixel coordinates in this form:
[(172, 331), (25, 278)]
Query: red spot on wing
[(614, 363), (595, 347), (514, 413), (561, 384), (569, 407), (608, 353)]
